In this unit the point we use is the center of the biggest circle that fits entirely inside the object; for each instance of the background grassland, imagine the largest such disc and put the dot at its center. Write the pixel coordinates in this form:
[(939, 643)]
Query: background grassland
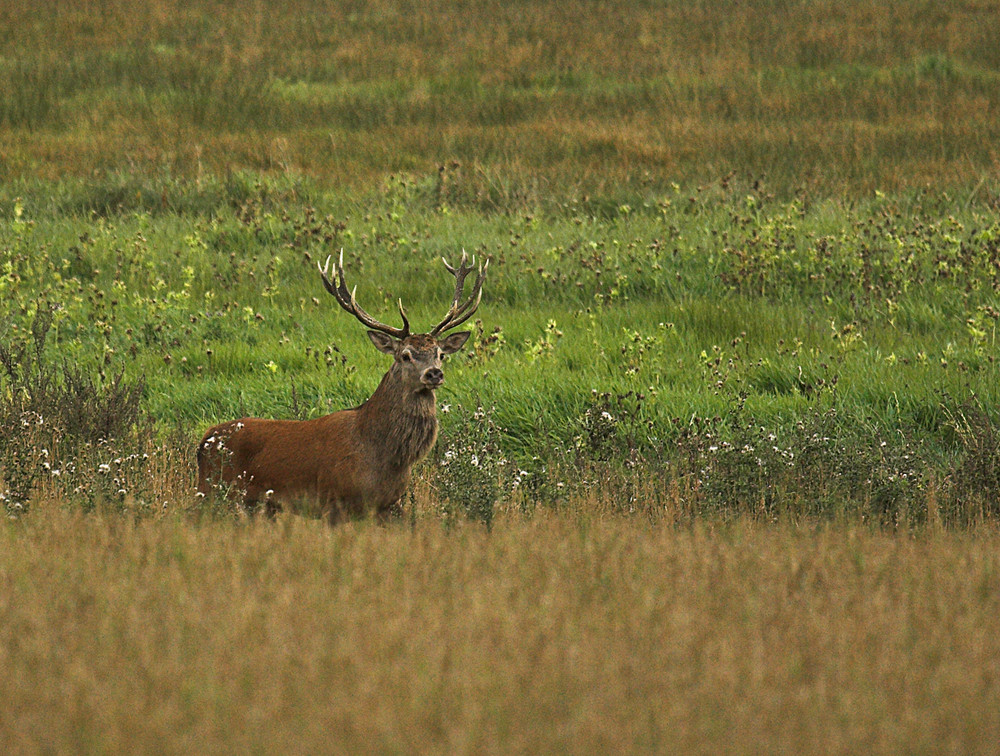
[(545, 97), (719, 469)]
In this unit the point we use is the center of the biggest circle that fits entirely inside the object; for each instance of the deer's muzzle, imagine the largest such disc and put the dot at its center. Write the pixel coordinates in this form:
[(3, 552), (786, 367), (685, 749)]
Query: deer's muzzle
[(432, 377)]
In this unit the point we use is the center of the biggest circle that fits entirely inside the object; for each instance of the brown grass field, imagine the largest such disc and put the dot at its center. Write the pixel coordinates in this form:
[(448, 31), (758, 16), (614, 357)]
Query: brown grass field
[(541, 97), (582, 632)]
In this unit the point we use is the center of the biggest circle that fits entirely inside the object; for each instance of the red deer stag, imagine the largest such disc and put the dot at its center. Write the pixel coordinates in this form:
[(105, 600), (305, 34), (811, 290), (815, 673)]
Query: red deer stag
[(355, 460)]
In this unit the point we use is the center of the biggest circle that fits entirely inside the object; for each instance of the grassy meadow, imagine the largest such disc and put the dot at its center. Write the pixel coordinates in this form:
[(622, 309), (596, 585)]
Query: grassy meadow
[(571, 632), (537, 99), (718, 470)]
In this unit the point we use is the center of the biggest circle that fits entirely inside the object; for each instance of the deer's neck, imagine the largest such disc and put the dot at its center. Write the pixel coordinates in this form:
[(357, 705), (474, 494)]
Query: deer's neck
[(400, 425)]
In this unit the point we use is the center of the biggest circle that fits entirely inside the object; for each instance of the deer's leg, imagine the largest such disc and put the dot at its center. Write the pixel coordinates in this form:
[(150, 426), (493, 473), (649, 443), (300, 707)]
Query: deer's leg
[(252, 495), (336, 512), (389, 512)]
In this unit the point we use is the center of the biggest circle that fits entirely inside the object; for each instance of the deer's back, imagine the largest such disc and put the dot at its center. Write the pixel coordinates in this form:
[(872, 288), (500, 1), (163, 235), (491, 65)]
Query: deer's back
[(321, 458)]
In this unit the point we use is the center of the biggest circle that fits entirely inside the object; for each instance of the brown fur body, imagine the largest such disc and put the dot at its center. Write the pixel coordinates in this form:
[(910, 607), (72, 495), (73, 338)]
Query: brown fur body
[(348, 463)]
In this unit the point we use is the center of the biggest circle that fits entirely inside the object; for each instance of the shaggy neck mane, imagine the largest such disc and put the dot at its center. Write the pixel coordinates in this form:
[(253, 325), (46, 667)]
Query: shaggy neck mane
[(401, 424)]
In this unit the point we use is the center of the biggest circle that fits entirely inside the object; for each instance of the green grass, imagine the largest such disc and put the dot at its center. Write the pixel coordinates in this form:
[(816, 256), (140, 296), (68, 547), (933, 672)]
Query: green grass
[(721, 316)]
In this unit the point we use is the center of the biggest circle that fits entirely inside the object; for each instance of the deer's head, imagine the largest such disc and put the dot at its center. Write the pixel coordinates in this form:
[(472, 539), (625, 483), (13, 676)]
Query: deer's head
[(418, 357)]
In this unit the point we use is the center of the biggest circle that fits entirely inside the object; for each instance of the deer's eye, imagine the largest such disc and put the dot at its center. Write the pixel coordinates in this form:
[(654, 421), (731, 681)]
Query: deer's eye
[(406, 357)]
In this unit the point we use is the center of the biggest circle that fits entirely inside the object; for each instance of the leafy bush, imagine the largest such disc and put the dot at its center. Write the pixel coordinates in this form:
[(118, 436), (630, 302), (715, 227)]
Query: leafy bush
[(817, 466), (54, 412), (976, 476), (472, 473)]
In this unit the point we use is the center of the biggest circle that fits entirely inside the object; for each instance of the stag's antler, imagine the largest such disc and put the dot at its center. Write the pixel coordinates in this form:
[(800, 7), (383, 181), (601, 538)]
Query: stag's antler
[(458, 314), (346, 300)]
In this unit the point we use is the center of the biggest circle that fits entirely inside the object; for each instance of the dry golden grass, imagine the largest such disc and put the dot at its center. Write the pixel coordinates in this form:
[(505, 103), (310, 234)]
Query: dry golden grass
[(579, 632)]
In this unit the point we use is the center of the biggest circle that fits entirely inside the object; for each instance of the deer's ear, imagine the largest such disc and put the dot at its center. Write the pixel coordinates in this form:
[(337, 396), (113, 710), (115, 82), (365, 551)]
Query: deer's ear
[(454, 342), (383, 342)]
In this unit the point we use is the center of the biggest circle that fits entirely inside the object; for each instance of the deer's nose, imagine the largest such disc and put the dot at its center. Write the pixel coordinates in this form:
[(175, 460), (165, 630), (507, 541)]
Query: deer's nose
[(434, 376)]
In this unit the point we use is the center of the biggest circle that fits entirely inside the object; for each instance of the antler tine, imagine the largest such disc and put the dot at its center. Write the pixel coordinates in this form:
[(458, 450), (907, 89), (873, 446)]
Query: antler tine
[(345, 298), (402, 314), (458, 314), (461, 263), (460, 274)]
